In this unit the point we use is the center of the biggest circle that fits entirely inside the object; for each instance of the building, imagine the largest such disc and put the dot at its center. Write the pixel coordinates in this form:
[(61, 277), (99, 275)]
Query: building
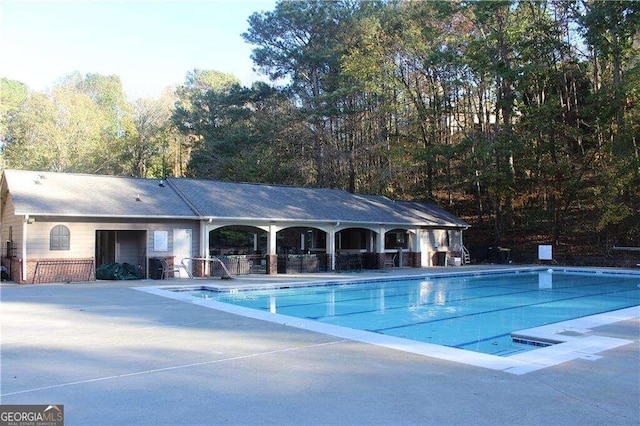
[(62, 226)]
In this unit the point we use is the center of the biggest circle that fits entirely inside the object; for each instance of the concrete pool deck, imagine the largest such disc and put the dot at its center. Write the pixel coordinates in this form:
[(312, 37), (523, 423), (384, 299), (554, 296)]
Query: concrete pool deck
[(113, 355)]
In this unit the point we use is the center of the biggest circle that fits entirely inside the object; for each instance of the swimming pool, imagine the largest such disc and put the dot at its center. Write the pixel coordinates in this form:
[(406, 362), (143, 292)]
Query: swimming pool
[(477, 313), (490, 298)]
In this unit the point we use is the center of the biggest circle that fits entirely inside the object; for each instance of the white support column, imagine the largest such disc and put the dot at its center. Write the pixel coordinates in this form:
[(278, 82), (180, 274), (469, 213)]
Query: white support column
[(331, 246), (204, 246), (416, 237), (416, 247), (272, 254), (271, 240), (380, 241), (380, 255), (25, 222)]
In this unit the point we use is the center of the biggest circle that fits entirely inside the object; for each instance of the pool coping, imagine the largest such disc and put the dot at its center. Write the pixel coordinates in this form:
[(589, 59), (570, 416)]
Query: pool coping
[(570, 340)]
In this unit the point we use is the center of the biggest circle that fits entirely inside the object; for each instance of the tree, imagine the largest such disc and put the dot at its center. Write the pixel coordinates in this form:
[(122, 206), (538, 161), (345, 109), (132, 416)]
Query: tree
[(12, 97), (147, 146), (246, 143), (300, 43), (106, 92), (196, 112), (612, 31), (78, 126), (58, 133)]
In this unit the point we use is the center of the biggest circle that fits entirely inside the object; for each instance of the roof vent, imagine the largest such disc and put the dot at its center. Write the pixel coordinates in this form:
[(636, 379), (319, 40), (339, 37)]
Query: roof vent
[(161, 183), (138, 198)]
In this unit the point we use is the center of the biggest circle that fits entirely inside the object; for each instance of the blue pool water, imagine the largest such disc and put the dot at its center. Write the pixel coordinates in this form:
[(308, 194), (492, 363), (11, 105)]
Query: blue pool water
[(476, 313)]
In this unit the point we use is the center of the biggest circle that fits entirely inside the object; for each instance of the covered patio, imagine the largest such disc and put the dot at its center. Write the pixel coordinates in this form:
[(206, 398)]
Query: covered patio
[(311, 247)]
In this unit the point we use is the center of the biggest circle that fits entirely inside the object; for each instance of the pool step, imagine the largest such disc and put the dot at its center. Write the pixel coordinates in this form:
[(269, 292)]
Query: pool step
[(523, 339)]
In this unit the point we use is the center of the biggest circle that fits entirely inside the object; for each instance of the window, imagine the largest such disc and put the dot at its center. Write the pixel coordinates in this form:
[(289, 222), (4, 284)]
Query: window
[(59, 238)]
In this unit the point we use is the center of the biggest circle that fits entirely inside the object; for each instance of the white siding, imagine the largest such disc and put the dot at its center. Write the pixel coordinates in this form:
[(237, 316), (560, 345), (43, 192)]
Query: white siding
[(10, 221), (83, 236)]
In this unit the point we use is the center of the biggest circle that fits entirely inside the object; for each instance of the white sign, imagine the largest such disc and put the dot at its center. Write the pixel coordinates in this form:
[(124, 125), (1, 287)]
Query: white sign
[(160, 240), (545, 252)]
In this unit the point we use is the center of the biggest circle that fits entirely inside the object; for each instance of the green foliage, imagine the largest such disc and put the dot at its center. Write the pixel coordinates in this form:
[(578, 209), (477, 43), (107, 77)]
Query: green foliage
[(12, 97), (76, 127), (522, 115), (226, 237)]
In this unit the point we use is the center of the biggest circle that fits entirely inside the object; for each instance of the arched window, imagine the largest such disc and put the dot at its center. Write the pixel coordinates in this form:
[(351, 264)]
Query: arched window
[(59, 238)]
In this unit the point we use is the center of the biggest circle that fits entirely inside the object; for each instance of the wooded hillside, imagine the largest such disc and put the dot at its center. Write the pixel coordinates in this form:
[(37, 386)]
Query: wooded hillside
[(522, 117)]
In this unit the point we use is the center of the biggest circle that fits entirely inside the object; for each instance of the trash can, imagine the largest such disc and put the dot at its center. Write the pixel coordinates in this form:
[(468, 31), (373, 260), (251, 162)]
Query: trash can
[(155, 268)]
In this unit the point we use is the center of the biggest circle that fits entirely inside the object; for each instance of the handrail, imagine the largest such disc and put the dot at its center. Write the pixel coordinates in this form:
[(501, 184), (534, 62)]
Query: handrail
[(466, 256), (223, 267), (209, 259)]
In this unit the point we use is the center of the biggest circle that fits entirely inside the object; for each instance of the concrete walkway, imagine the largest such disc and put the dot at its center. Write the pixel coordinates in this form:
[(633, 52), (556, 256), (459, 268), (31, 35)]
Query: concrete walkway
[(113, 355)]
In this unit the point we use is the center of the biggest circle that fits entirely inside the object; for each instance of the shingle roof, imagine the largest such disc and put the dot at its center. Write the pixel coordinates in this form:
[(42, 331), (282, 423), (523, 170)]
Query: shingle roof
[(431, 213), (66, 194), (229, 200)]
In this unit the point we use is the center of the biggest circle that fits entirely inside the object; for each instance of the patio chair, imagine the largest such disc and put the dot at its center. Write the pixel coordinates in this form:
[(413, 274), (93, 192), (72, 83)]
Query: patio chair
[(167, 269)]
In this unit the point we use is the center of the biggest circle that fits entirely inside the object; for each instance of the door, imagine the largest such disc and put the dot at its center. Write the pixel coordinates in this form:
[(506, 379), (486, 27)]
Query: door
[(182, 249), (105, 247)]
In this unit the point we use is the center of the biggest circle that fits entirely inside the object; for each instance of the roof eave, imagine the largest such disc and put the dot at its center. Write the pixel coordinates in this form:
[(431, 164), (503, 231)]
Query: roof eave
[(106, 216), (332, 220), (247, 219)]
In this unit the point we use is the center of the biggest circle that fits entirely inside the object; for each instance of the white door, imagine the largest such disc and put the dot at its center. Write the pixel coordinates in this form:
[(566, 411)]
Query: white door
[(182, 250)]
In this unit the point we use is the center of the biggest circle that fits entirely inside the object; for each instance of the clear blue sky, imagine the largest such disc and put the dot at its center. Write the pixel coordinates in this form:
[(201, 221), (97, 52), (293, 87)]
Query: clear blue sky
[(149, 44)]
